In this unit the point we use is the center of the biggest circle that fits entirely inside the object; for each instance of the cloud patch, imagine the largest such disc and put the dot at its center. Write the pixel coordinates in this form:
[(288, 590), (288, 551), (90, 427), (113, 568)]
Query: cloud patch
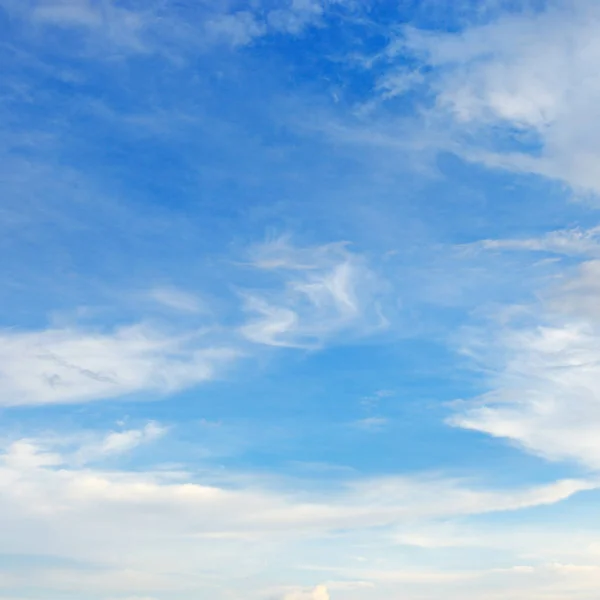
[(544, 368), (72, 365), (324, 292), (529, 76), (154, 532), (318, 593)]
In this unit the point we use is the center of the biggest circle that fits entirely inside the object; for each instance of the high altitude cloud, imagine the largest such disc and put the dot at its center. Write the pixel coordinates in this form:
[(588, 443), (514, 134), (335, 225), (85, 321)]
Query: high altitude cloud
[(323, 292), (154, 27), (307, 297), (570, 242), (531, 77), (76, 365), (545, 387)]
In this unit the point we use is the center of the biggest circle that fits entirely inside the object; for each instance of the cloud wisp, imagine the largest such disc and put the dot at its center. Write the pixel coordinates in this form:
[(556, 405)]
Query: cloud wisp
[(168, 28), (544, 373), (75, 365), (326, 291), (308, 297)]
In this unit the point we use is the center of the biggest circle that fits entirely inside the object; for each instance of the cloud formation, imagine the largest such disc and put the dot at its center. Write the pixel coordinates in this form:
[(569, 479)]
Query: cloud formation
[(75, 365), (162, 27), (325, 291), (146, 531), (529, 75), (545, 373), (567, 242)]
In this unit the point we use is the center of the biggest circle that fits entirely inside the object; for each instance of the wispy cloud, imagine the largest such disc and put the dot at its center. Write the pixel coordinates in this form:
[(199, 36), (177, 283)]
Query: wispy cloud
[(168, 27), (520, 89), (74, 365), (121, 27), (117, 443), (176, 299), (326, 291), (545, 367), (569, 242)]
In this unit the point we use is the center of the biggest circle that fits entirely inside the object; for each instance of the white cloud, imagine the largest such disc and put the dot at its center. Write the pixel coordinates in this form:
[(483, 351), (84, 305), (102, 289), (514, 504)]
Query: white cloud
[(122, 27), (544, 374), (318, 593), (77, 12), (297, 15), (238, 28), (546, 393), (286, 16), (176, 299), (570, 242), (556, 581), (326, 291), (116, 443), (534, 74), (308, 296), (74, 365), (159, 533), (159, 27)]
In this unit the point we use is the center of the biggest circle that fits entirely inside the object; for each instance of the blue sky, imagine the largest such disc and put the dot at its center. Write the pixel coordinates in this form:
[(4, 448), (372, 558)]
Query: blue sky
[(299, 300)]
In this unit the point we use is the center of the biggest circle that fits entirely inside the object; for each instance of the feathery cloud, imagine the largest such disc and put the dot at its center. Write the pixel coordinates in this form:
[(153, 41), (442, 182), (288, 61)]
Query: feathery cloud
[(326, 291), (544, 375), (74, 365)]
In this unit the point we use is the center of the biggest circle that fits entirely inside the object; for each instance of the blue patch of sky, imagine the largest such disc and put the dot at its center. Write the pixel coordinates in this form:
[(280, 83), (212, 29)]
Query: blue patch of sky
[(226, 168)]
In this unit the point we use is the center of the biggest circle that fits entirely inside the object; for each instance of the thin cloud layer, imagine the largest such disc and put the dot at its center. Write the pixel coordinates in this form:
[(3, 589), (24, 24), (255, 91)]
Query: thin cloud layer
[(73, 365), (568, 242), (310, 297), (168, 28), (326, 291), (545, 374), (100, 518), (319, 593)]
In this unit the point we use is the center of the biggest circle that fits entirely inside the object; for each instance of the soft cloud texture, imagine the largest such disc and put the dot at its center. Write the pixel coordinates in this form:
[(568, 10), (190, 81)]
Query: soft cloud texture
[(545, 373), (569, 242), (319, 593), (147, 531), (176, 299), (304, 298), (74, 365), (326, 291), (116, 443), (530, 76), (160, 27)]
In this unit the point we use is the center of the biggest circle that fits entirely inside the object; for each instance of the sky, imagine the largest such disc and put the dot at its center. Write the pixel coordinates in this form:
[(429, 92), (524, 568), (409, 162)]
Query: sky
[(300, 300)]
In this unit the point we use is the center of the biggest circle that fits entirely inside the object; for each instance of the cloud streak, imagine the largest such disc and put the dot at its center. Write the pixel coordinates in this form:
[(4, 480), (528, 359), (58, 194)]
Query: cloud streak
[(544, 373), (327, 291), (75, 365)]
